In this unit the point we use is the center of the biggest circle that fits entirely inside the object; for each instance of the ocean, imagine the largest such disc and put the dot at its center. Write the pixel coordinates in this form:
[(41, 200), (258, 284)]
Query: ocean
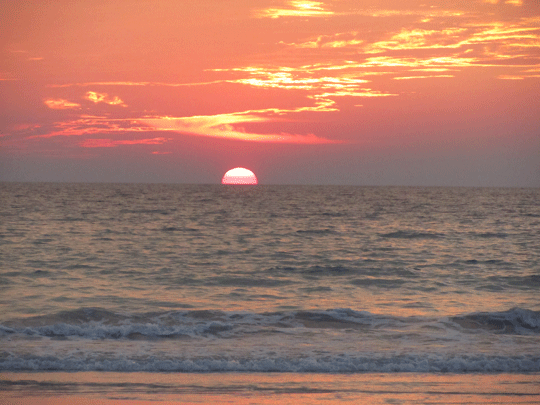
[(268, 294)]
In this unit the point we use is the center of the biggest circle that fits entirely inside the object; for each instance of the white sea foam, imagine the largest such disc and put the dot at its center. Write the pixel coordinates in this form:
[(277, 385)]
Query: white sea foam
[(328, 364)]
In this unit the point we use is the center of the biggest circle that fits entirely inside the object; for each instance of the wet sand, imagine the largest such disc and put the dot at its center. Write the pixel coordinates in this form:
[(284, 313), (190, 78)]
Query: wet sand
[(266, 388)]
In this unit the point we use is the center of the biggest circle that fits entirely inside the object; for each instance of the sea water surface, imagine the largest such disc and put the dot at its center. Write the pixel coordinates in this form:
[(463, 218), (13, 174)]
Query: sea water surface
[(265, 279)]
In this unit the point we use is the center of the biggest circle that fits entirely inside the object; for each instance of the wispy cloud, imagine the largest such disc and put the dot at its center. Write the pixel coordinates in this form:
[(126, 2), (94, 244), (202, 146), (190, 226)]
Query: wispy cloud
[(103, 98), (227, 126), (411, 39), (325, 69), (341, 40), (223, 126), (296, 78), (509, 77), (323, 88), (500, 40), (128, 83), (89, 125), (421, 77), (512, 2), (61, 104), (296, 8), (425, 14), (414, 62), (111, 143)]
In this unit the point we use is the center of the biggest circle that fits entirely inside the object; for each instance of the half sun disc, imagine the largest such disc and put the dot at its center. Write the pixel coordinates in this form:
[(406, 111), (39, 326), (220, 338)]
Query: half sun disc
[(239, 175)]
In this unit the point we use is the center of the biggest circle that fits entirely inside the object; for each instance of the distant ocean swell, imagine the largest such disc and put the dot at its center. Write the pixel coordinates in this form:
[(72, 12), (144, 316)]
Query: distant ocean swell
[(164, 278)]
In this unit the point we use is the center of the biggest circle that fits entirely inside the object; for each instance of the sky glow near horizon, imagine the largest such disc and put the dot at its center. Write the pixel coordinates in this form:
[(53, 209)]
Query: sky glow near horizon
[(318, 92)]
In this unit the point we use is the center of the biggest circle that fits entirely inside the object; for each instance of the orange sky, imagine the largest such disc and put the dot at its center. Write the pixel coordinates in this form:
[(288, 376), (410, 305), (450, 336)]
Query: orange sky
[(320, 92)]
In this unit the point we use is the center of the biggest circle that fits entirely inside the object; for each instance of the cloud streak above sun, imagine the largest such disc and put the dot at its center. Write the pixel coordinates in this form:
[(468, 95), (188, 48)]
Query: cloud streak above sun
[(226, 126), (222, 126)]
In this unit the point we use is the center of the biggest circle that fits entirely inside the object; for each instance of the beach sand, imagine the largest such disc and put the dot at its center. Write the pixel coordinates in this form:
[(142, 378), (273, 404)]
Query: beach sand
[(266, 388)]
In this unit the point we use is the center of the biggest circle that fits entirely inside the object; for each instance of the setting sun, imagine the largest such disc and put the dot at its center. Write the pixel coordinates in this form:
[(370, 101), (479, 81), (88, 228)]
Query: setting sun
[(239, 175)]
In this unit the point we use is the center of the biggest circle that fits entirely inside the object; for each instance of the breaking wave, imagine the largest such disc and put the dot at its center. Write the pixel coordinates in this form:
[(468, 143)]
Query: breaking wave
[(96, 323)]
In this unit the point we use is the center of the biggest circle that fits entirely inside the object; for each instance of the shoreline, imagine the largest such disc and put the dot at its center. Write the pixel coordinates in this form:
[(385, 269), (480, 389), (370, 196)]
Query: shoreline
[(62, 388)]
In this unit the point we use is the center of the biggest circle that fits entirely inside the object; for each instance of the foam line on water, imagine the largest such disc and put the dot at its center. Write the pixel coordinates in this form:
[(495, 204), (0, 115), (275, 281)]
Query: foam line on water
[(328, 364)]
